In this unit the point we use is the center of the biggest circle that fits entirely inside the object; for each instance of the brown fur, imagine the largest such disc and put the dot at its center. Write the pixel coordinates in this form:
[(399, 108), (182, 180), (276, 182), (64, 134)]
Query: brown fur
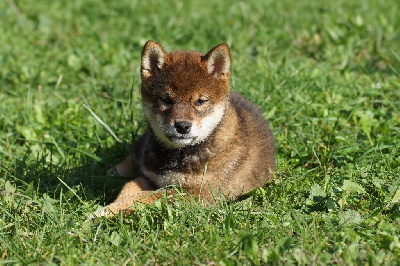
[(236, 156)]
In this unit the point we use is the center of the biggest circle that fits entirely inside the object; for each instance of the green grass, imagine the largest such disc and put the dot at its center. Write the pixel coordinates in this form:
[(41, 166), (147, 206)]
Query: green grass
[(326, 75)]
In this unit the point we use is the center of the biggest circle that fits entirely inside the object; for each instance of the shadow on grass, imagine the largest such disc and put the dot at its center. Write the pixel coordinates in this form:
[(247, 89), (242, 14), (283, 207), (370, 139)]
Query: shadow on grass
[(85, 178)]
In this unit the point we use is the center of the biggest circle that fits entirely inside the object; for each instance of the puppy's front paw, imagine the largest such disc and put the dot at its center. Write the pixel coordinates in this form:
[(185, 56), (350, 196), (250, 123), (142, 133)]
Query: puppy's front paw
[(124, 168), (112, 171), (99, 213)]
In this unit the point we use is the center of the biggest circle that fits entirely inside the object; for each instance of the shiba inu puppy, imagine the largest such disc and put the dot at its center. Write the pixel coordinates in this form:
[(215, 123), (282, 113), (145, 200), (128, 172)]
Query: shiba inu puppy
[(200, 136)]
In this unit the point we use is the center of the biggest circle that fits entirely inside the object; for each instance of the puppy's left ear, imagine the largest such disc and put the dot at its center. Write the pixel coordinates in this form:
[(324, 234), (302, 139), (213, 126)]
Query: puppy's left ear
[(218, 61), (154, 58)]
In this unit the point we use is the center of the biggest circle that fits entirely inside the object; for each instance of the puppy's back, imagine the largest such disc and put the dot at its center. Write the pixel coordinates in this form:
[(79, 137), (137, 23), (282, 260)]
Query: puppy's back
[(258, 139)]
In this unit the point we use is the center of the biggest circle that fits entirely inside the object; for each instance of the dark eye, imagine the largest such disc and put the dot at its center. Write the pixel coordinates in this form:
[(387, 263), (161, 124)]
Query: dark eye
[(166, 101), (200, 102)]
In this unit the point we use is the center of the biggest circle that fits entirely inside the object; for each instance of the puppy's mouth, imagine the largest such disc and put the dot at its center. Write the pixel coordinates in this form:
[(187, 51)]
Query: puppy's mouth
[(181, 138)]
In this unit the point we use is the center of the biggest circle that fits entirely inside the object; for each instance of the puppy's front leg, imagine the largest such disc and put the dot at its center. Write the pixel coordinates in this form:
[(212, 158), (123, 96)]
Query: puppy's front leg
[(124, 168), (137, 190)]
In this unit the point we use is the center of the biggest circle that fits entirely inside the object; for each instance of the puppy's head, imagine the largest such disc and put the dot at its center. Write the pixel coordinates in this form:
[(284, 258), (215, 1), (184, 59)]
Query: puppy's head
[(184, 92)]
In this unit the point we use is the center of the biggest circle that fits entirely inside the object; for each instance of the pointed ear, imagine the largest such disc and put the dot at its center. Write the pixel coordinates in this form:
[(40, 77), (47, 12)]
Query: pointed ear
[(218, 61), (154, 59)]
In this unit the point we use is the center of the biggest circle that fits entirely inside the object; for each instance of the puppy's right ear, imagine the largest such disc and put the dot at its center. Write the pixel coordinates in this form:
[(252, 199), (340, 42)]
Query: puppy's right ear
[(218, 61), (154, 59)]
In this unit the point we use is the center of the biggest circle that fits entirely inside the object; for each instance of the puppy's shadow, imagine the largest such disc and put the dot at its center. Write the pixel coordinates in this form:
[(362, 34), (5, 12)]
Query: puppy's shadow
[(88, 178), (92, 175)]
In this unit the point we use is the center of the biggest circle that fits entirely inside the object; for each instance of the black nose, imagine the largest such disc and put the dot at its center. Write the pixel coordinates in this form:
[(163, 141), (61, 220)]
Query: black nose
[(182, 127)]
